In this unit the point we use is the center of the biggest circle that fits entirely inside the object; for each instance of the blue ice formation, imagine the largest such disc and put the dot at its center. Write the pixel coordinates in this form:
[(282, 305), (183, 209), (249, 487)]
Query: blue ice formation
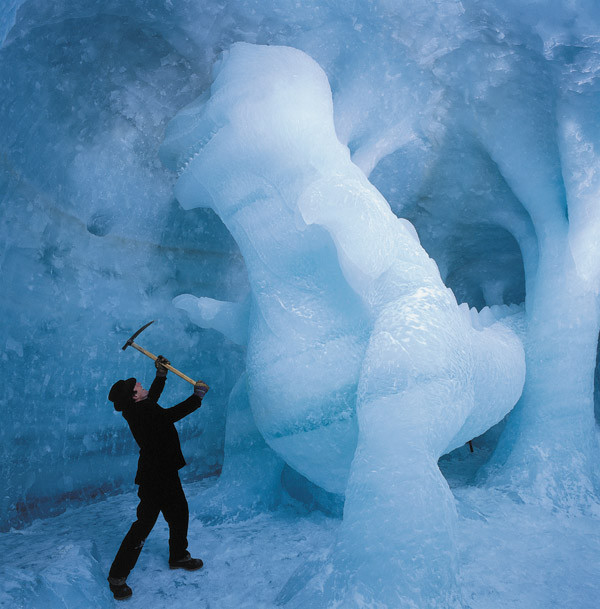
[(476, 121), (362, 369)]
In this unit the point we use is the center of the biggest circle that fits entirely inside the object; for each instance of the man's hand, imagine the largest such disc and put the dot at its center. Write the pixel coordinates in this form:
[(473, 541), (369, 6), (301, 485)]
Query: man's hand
[(160, 368), (200, 389)]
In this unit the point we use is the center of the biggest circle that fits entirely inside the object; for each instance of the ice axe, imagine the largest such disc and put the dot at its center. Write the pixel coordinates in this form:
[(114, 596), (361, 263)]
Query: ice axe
[(130, 343)]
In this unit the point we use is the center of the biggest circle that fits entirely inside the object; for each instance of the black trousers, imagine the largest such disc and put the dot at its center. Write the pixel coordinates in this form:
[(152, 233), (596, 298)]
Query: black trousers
[(156, 496)]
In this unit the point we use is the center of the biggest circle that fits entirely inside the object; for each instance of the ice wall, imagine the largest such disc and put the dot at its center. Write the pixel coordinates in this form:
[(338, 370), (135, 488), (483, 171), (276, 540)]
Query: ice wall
[(92, 247)]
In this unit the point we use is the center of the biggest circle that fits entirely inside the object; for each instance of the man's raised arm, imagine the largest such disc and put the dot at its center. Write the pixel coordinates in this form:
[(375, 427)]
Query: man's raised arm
[(158, 384), (188, 406)]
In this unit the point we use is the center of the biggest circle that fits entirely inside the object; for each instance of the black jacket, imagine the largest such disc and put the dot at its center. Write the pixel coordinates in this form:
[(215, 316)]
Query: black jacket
[(153, 430)]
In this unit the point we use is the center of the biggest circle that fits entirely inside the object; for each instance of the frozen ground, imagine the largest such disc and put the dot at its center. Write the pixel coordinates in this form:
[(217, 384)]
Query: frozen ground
[(513, 556)]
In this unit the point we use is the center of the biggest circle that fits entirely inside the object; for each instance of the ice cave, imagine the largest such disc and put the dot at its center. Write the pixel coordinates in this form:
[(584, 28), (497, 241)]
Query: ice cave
[(372, 227)]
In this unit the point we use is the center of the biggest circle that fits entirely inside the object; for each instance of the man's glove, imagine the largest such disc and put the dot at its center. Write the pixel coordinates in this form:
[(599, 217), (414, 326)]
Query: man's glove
[(160, 368), (200, 389)]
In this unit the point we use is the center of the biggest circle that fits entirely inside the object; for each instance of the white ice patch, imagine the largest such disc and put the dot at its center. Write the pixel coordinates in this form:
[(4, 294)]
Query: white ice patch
[(228, 318)]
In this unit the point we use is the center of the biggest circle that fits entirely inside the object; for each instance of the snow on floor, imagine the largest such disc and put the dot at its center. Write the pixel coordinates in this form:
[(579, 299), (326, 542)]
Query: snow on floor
[(246, 563), (513, 556), (516, 556)]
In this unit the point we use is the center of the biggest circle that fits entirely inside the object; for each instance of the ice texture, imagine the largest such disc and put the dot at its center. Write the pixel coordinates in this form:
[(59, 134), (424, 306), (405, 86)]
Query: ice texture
[(72, 578), (229, 318), (362, 369), (512, 554), (92, 247), (476, 120)]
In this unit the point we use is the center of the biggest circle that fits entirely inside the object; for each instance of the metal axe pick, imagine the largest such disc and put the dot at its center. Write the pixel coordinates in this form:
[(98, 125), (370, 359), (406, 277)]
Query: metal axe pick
[(130, 343)]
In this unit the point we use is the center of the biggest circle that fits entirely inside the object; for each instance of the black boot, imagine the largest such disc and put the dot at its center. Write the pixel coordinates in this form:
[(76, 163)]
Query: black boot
[(119, 588), (186, 562)]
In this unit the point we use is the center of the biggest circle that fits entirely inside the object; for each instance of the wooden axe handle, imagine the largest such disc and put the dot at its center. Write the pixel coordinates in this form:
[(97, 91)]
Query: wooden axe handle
[(152, 356)]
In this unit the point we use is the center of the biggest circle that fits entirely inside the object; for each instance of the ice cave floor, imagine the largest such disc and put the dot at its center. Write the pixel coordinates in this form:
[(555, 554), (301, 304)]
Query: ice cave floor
[(513, 555)]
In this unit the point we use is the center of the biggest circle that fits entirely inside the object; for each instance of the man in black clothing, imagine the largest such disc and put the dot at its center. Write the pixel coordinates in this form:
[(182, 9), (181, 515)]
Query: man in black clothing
[(157, 475)]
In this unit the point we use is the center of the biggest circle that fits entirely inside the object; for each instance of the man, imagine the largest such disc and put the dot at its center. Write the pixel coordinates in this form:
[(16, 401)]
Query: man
[(157, 474)]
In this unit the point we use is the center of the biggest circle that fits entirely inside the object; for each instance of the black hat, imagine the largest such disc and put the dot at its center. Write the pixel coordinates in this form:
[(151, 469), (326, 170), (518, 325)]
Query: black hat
[(121, 392)]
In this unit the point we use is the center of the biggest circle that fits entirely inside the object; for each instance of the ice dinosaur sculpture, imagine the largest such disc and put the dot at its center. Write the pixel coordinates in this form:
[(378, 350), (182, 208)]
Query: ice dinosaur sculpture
[(361, 367)]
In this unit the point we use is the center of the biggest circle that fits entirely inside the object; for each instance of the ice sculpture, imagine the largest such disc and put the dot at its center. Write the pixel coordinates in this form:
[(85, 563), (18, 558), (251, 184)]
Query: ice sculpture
[(361, 369)]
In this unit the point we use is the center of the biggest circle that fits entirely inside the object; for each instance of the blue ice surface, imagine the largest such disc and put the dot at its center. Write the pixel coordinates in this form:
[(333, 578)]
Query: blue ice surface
[(512, 555), (475, 121)]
